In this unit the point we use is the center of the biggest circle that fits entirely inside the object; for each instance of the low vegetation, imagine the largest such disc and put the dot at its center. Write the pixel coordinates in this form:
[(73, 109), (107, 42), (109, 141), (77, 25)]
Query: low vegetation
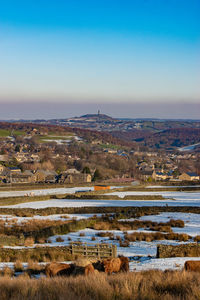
[(119, 212), (151, 285), (37, 254), (149, 237), (106, 224)]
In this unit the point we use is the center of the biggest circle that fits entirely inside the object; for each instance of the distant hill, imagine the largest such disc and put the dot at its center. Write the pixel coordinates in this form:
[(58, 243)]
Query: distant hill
[(97, 117)]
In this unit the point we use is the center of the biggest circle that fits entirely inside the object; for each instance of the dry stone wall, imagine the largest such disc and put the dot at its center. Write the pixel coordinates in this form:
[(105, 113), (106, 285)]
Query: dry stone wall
[(186, 250)]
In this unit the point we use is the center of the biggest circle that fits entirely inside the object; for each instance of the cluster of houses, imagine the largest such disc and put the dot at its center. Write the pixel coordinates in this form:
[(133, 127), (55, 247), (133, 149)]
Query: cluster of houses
[(16, 176), (169, 176)]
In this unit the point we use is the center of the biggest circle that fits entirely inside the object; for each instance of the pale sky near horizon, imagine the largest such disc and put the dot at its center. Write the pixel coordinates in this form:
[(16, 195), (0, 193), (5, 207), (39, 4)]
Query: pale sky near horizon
[(89, 54)]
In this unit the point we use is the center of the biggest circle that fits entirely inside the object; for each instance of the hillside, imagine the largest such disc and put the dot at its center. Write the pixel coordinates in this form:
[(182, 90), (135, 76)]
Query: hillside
[(7, 129), (132, 135), (171, 138)]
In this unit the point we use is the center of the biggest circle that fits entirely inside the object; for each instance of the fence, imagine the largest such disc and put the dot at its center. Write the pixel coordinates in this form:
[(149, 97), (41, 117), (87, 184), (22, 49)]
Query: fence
[(93, 250), (59, 253)]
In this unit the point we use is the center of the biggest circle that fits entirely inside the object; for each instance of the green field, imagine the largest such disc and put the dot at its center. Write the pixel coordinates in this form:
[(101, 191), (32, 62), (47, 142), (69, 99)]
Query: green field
[(6, 132), (111, 146)]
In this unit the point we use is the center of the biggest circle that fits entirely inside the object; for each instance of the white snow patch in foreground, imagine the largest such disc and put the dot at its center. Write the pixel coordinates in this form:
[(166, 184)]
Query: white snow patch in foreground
[(172, 263)]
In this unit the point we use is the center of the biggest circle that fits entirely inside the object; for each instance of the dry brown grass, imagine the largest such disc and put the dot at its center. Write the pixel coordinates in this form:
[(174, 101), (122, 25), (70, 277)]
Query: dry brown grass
[(149, 237), (151, 285), (34, 268), (18, 267), (29, 242), (197, 238), (7, 272), (108, 224)]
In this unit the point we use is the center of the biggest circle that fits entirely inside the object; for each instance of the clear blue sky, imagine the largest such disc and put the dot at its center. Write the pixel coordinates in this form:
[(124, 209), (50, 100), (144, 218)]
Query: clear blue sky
[(100, 51)]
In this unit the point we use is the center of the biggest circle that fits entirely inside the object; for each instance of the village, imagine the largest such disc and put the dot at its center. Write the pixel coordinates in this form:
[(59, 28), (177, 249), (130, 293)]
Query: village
[(36, 157)]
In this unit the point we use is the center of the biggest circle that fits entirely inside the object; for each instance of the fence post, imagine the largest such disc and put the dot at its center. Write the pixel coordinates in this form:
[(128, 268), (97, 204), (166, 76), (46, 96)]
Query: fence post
[(114, 251), (98, 251), (72, 249)]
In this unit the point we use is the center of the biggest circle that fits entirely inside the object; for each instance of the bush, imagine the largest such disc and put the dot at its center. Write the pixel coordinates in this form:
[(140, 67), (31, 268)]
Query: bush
[(124, 243), (29, 242), (82, 234), (18, 267), (197, 238), (59, 239), (7, 272)]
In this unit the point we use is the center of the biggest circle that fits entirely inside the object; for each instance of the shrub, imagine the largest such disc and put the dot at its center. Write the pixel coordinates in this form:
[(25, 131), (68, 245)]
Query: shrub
[(59, 239), (197, 238), (34, 267), (82, 234), (29, 242), (7, 272), (18, 267), (41, 241), (124, 243)]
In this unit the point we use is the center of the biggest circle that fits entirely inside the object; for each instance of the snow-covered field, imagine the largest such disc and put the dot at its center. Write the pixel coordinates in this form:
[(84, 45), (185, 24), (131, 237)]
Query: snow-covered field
[(179, 199), (138, 248), (43, 192), (183, 196), (188, 148), (142, 254), (172, 263), (49, 217), (171, 186), (48, 191), (192, 221)]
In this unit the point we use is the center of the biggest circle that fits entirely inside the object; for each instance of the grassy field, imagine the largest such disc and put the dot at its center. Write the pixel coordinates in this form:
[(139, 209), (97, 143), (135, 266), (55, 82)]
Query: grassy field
[(18, 200), (150, 285), (5, 132), (111, 146)]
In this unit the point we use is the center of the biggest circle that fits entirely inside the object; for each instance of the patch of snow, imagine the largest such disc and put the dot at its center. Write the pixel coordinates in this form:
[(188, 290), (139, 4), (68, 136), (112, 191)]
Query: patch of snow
[(181, 199), (188, 148), (43, 192), (135, 249), (48, 191), (172, 263), (55, 217), (192, 221), (170, 186)]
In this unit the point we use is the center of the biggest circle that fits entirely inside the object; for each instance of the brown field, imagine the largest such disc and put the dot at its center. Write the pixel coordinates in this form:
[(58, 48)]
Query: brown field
[(150, 285)]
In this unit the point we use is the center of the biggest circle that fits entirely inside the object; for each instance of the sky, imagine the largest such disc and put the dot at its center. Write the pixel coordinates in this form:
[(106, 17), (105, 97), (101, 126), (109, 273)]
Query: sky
[(130, 58)]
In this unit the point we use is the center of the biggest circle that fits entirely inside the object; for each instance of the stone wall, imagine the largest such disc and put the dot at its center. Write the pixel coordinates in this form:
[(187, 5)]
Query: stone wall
[(186, 250)]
